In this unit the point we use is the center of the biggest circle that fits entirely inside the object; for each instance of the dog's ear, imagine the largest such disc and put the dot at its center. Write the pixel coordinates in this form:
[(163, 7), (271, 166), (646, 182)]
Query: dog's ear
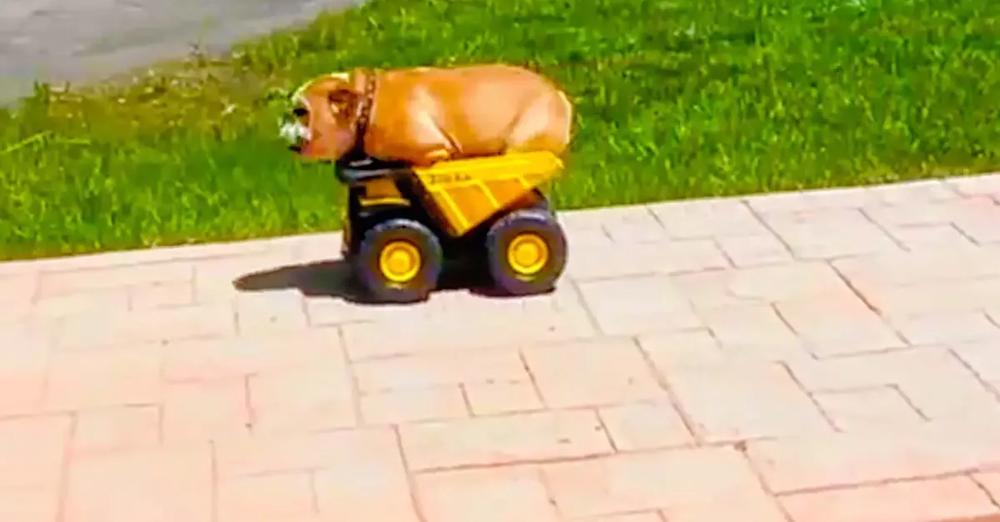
[(341, 99)]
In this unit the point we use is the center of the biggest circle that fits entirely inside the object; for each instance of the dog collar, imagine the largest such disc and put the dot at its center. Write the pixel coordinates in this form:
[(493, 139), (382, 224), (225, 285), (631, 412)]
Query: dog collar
[(365, 107)]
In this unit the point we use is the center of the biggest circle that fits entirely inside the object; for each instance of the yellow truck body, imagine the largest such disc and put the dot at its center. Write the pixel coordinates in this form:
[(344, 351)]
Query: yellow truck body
[(467, 192)]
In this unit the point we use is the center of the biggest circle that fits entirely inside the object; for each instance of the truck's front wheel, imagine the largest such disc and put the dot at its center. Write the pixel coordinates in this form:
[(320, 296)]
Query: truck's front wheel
[(399, 260)]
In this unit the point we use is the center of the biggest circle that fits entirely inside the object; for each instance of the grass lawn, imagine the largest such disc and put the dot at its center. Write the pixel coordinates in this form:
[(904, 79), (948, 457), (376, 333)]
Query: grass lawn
[(675, 98)]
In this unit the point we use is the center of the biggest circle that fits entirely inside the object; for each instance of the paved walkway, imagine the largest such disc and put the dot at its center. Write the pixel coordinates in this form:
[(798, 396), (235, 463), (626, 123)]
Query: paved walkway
[(826, 356), (85, 40)]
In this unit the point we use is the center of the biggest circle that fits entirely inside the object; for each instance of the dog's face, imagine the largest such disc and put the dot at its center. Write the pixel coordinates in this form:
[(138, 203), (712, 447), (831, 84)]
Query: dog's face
[(324, 118)]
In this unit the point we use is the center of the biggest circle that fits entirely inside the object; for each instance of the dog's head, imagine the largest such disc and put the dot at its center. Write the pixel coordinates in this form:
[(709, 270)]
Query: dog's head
[(323, 123)]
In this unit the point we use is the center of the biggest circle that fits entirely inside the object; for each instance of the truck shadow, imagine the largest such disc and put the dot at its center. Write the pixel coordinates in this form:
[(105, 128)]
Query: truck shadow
[(333, 279)]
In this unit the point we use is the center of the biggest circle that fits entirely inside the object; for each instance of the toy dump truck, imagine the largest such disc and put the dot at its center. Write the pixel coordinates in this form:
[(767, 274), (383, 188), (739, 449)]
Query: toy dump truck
[(402, 223)]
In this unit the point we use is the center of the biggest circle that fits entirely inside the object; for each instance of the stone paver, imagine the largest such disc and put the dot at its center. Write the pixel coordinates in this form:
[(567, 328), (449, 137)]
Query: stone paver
[(708, 218), (749, 327), (871, 409), (161, 295), (486, 366), (754, 250), (24, 374), (818, 234), (119, 428), (395, 407), (645, 426), (489, 495), (99, 328), (29, 504), (491, 441), (838, 324), (32, 451), (497, 397), (267, 497), (933, 379), (635, 305), (760, 285), (946, 327), (122, 376), (631, 517), (594, 373), (371, 484), (156, 484), (806, 356), (991, 483), (982, 357), (696, 484), (205, 411), (316, 398), (957, 498), (733, 402), (896, 453)]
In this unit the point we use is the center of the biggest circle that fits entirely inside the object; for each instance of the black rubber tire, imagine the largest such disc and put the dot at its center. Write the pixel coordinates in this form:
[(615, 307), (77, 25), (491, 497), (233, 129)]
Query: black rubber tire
[(543, 202), (347, 242), (352, 226), (366, 261), (499, 237)]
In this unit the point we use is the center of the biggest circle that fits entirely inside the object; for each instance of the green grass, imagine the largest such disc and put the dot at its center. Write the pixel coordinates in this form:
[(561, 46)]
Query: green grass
[(675, 99)]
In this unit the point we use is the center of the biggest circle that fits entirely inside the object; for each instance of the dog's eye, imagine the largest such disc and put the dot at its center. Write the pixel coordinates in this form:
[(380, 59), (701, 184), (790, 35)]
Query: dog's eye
[(300, 112)]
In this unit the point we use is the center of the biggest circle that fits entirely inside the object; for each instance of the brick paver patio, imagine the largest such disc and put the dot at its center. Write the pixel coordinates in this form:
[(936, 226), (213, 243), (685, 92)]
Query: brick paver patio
[(821, 356)]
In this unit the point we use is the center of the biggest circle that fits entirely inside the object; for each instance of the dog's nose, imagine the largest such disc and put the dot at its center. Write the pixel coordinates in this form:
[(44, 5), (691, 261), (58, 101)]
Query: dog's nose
[(290, 133), (294, 132)]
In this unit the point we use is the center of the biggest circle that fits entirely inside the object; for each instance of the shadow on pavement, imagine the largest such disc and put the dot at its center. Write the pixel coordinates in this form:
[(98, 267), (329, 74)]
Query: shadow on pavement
[(334, 279), (326, 279)]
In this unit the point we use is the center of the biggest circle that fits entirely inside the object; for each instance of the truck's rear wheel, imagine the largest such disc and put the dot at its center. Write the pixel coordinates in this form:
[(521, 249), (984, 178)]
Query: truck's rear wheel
[(399, 260), (527, 252)]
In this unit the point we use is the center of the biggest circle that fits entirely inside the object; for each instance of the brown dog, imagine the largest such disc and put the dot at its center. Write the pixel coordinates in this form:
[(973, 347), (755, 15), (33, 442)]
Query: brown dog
[(424, 115)]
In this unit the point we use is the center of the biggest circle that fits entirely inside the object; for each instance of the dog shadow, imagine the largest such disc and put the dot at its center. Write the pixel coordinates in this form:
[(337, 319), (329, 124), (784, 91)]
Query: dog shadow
[(334, 279)]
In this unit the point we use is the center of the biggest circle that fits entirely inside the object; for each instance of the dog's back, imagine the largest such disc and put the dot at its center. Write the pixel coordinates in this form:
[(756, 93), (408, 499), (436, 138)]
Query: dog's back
[(429, 114)]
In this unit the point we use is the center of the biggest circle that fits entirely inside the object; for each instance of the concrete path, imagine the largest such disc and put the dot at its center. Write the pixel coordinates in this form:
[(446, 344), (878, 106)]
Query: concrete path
[(825, 356), (82, 40)]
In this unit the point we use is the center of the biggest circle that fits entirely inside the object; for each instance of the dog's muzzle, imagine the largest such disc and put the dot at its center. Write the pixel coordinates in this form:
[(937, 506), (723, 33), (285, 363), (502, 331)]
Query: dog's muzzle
[(295, 133)]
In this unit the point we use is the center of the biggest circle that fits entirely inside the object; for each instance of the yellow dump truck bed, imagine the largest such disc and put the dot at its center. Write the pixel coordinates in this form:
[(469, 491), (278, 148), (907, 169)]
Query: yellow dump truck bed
[(467, 192)]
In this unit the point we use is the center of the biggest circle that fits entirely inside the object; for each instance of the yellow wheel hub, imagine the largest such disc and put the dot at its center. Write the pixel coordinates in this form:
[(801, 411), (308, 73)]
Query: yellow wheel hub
[(399, 261), (528, 254)]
